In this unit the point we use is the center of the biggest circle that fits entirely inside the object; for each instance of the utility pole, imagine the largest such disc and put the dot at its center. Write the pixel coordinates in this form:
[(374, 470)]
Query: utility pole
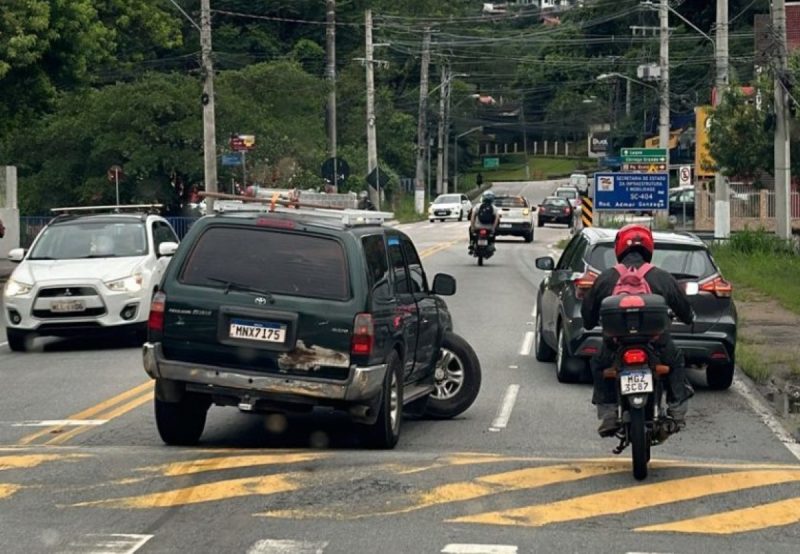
[(440, 137), (663, 114), (627, 97), (419, 185), (207, 98), (524, 138), (446, 143), (722, 207), (330, 74), (783, 223), (372, 142)]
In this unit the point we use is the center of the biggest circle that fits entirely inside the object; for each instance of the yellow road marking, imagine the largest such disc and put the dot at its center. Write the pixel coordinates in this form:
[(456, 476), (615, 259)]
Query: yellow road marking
[(521, 479), (231, 462), (7, 489), (632, 498), (92, 412), (112, 414), (754, 518), (25, 461), (430, 251), (209, 492)]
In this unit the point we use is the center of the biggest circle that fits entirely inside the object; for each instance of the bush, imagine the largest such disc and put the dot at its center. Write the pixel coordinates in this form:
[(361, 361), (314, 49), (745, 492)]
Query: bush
[(759, 242)]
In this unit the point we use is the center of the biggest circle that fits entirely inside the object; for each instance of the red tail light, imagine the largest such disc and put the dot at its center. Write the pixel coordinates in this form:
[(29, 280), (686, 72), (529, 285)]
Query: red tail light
[(635, 356), (363, 335), (718, 287), (156, 320), (483, 232), (567, 210), (632, 302), (584, 283)]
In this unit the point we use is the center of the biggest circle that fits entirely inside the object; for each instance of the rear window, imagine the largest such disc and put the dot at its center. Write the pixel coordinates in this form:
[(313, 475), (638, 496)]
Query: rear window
[(273, 261), (567, 193), (681, 260), (560, 202), (450, 199), (511, 202)]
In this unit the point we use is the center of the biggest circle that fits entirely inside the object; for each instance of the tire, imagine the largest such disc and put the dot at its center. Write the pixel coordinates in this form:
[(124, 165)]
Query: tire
[(431, 220), (480, 259), (540, 223), (639, 443), (140, 334), (528, 236), (18, 340), (461, 215), (385, 432), (563, 372), (718, 376), (543, 352), (458, 379), (181, 423)]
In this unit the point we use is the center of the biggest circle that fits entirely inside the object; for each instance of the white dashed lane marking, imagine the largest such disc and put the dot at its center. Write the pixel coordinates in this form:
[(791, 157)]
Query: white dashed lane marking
[(278, 546), (479, 549), (527, 342), (504, 413), (107, 543)]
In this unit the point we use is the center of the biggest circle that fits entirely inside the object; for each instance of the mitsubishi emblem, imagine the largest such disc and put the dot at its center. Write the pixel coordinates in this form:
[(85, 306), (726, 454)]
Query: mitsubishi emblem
[(67, 292)]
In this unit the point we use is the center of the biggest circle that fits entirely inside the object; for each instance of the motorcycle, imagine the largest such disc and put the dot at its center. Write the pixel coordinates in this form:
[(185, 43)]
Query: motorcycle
[(632, 323), (483, 248)]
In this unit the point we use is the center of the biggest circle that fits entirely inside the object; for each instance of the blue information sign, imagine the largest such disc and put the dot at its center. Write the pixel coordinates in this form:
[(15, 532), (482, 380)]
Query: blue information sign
[(231, 159), (631, 191)]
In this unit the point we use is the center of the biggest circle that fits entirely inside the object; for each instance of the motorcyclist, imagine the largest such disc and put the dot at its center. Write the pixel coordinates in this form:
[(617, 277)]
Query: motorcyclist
[(633, 247), (475, 223)]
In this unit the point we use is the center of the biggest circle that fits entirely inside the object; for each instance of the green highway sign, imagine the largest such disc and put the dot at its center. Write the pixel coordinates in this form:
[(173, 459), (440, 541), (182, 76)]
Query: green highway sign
[(644, 155), (489, 163)]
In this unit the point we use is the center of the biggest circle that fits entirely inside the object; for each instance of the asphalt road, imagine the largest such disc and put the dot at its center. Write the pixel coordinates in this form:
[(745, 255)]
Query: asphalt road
[(83, 470)]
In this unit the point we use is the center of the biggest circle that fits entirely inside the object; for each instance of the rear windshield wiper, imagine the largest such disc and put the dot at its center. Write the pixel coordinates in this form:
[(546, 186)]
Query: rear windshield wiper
[(231, 285)]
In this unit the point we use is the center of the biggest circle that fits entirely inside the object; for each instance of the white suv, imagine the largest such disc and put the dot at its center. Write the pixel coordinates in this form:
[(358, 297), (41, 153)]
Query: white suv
[(86, 274)]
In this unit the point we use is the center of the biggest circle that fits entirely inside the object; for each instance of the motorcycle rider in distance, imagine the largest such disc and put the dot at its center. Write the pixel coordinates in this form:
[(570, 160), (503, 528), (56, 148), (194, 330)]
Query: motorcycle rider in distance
[(364, 203), (633, 247), (485, 215)]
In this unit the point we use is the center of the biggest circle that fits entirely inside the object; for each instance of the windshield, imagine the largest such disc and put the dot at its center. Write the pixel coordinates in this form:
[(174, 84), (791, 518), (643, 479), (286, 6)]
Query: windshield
[(97, 239), (448, 199), (567, 193), (510, 202), (678, 259)]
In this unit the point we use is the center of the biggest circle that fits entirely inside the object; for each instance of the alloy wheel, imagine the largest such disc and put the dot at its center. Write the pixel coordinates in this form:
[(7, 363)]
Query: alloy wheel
[(449, 375)]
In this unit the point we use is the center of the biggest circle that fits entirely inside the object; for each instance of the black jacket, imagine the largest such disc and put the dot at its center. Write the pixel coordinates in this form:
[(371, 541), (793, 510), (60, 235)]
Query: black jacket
[(660, 281)]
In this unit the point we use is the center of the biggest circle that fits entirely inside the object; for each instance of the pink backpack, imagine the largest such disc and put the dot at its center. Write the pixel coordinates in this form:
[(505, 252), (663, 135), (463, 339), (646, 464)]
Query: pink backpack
[(631, 280)]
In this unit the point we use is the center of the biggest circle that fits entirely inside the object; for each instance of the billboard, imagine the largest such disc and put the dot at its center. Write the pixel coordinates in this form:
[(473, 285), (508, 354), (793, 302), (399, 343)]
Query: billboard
[(598, 140), (703, 162)]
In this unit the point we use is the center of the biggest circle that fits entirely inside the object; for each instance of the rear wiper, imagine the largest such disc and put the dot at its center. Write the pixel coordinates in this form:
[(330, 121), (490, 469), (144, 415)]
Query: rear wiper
[(230, 285)]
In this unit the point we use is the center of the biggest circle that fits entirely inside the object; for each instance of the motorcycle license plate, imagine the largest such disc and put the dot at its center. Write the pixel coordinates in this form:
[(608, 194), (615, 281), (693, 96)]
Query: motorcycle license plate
[(636, 382), (482, 242)]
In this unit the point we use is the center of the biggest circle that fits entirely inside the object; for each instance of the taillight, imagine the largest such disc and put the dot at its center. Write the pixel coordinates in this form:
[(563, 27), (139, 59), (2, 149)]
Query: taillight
[(526, 211), (567, 210), (483, 232), (718, 287), (156, 320), (363, 335), (584, 283), (634, 356)]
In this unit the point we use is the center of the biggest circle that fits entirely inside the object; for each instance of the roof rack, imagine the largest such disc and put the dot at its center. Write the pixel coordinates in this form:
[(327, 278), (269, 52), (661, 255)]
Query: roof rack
[(149, 208), (347, 216)]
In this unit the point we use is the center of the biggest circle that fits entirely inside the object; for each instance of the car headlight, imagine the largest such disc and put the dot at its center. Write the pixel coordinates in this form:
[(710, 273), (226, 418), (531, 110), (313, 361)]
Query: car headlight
[(132, 283), (16, 288)]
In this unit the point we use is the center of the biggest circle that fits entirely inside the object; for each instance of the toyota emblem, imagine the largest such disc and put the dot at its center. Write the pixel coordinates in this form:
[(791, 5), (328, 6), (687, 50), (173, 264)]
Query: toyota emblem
[(260, 300)]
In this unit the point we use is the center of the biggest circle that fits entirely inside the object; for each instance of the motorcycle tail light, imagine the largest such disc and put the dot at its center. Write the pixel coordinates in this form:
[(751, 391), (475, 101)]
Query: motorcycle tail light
[(155, 322), (584, 283), (363, 335), (634, 356), (483, 232), (717, 286)]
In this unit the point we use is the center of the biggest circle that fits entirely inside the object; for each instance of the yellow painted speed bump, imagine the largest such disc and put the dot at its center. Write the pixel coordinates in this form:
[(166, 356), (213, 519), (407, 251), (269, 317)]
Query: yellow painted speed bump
[(190, 467), (26, 461), (7, 490)]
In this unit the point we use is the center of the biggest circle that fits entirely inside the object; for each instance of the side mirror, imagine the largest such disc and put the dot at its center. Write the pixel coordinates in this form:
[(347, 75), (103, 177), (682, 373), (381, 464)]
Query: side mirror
[(545, 263), (167, 248), (16, 255), (444, 284)]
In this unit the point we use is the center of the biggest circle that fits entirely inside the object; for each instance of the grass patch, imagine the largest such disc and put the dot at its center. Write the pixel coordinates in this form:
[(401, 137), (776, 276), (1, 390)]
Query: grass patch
[(749, 359), (538, 168), (762, 262), (403, 208)]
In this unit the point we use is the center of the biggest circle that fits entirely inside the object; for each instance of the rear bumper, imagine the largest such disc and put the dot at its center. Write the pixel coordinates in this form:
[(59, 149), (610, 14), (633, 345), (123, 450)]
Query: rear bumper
[(701, 349), (363, 383), (514, 228)]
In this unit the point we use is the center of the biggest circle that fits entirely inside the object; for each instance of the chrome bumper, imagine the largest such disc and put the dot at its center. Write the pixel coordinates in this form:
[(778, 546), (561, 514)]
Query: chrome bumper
[(363, 383)]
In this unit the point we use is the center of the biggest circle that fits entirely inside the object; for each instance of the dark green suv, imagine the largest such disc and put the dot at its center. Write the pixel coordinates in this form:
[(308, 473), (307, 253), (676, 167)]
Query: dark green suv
[(284, 311)]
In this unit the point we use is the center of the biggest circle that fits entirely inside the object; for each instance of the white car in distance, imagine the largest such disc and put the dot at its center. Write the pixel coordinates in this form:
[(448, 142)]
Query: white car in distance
[(449, 206), (87, 274)]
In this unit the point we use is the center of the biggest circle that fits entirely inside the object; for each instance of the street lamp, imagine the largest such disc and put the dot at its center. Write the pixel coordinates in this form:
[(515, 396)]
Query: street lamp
[(455, 154)]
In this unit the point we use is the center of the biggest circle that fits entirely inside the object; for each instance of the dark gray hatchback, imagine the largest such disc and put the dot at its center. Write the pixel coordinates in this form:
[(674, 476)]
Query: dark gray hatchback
[(710, 342), (287, 311)]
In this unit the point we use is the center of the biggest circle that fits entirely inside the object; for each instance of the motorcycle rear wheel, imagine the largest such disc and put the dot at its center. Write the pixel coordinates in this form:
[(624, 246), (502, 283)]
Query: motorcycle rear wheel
[(640, 445), (480, 260)]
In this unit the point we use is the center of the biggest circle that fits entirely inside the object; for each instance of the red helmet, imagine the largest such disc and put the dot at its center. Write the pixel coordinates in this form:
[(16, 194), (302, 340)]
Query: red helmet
[(634, 236)]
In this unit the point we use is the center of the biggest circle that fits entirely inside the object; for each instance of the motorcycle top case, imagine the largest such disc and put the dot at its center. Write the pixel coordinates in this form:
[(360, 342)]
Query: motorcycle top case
[(640, 314)]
